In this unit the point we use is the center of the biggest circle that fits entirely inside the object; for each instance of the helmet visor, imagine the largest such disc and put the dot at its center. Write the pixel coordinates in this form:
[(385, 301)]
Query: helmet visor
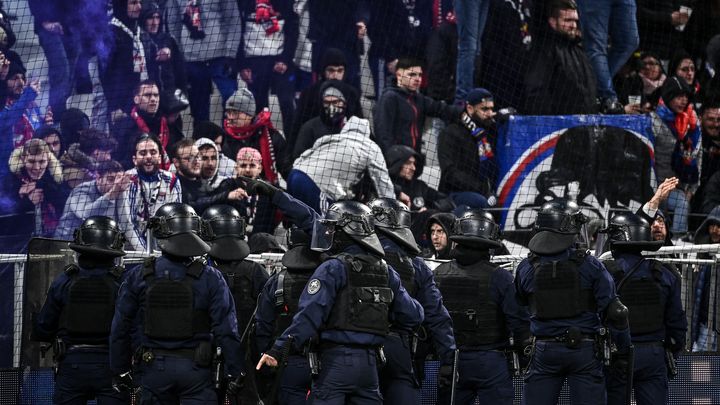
[(323, 234)]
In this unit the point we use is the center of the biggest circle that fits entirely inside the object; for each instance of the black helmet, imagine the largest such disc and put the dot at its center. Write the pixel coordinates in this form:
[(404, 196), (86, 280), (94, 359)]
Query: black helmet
[(557, 224), (225, 233), (628, 231), (100, 236), (300, 256), (354, 219), (476, 228), (178, 228), (392, 219)]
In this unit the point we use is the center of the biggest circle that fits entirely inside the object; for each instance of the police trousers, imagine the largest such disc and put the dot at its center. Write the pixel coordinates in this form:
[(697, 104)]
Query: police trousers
[(398, 382), (348, 375), (483, 374), (84, 375), (650, 381), (170, 379)]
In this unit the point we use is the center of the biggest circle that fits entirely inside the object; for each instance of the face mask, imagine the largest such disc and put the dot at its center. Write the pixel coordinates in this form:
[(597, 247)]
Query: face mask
[(333, 115)]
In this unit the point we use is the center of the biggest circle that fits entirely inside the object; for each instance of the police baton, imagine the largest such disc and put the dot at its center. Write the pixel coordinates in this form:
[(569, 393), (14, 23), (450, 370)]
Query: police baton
[(453, 386), (629, 375), (282, 362)]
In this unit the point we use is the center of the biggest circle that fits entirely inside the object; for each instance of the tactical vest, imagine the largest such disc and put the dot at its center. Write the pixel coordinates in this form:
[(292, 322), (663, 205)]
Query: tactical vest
[(643, 296), (90, 304), (477, 320), (363, 305), (169, 305), (403, 265), (290, 285), (239, 276), (558, 290)]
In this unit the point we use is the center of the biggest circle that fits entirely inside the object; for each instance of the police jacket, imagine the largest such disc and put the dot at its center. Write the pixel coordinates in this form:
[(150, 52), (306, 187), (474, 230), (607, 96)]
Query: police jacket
[(593, 279), (245, 279), (316, 306), (211, 300), (426, 293), (76, 295), (651, 291)]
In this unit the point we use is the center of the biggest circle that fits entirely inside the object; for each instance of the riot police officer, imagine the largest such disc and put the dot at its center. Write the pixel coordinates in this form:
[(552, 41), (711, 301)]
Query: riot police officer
[(78, 312), (658, 325), (175, 305), (246, 278), (485, 313), (399, 383), (569, 292), (348, 302)]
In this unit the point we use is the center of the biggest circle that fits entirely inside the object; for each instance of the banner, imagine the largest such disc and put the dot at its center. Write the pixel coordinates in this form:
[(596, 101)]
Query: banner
[(603, 162)]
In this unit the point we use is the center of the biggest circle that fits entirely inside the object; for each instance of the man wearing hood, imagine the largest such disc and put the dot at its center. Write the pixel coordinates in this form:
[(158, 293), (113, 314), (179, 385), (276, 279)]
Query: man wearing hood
[(214, 132), (330, 121), (438, 231), (328, 171), (403, 166), (708, 233), (209, 162), (166, 63)]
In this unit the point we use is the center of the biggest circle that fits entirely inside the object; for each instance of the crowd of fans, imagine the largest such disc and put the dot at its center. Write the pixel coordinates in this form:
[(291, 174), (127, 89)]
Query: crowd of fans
[(145, 62)]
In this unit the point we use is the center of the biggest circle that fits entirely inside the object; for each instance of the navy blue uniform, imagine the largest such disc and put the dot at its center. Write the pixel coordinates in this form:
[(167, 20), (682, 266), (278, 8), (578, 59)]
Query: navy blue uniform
[(348, 358), (84, 371), (398, 380), (553, 361), (650, 378), (172, 375)]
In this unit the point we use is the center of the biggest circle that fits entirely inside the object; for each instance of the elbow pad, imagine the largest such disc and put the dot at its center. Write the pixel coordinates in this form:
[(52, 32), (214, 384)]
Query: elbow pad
[(616, 315)]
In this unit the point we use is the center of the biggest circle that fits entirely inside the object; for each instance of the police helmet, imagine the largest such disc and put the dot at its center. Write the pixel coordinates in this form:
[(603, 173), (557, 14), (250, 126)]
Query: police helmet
[(178, 228), (556, 227), (225, 233), (392, 219), (299, 255), (476, 228), (100, 236), (352, 218), (628, 231)]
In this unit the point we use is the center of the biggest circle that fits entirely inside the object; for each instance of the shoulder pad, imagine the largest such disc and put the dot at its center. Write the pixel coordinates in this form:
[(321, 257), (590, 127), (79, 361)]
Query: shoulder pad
[(149, 266), (71, 269)]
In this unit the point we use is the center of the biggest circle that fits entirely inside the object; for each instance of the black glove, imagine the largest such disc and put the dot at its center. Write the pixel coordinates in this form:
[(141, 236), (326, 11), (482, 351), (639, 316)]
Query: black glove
[(122, 382), (445, 376), (257, 186), (235, 384)]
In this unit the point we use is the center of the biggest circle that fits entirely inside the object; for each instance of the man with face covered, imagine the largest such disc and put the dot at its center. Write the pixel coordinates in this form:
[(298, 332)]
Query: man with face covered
[(330, 121), (467, 152)]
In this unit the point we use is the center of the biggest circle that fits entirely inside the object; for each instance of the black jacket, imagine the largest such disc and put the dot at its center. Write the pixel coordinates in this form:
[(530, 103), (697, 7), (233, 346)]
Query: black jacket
[(460, 166), (657, 34)]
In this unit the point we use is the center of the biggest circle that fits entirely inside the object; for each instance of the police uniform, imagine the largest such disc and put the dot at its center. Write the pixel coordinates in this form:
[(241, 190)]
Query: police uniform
[(485, 313), (177, 306), (348, 304), (567, 291), (651, 292), (84, 292)]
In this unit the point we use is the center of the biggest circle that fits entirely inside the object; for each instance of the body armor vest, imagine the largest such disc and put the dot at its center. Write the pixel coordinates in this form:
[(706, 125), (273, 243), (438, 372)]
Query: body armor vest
[(169, 305), (477, 320), (290, 285), (239, 276), (558, 291), (643, 296), (90, 307), (402, 263), (363, 305)]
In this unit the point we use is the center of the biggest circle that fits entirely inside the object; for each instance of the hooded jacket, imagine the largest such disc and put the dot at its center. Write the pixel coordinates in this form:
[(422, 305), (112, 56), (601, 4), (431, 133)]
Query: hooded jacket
[(445, 220), (318, 126), (395, 157), (702, 235), (336, 162), (170, 74)]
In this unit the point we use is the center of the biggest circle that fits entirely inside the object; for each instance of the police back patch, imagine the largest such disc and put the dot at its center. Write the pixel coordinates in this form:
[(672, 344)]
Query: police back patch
[(313, 286)]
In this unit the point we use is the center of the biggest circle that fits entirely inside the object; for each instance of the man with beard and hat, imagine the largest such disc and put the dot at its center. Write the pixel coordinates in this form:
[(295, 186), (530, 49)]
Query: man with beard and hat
[(82, 292), (438, 230), (348, 305), (651, 291), (570, 294), (245, 278), (172, 310), (486, 315), (330, 121), (402, 376), (468, 166)]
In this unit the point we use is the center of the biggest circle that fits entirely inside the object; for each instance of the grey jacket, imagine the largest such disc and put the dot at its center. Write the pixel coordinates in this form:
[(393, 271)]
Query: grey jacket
[(221, 22), (84, 201)]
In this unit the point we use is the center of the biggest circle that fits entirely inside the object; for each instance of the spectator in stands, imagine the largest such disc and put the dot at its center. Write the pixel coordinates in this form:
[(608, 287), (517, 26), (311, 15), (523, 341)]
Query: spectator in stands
[(144, 118), (441, 57), (651, 73), (214, 132), (707, 233), (683, 67), (330, 170), (468, 167), (72, 123), (610, 36), (52, 138), (245, 129), (21, 116), (125, 65), (332, 67), (708, 194), (652, 212), (35, 185), (561, 80), (657, 22), (209, 158), (270, 33), (413, 192), (257, 209), (330, 121), (171, 107), (209, 36), (96, 197), (151, 188), (439, 227), (166, 63), (677, 148), (471, 18), (81, 160), (401, 110)]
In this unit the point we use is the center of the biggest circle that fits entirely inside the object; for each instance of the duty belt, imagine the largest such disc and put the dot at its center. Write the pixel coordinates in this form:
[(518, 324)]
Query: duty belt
[(149, 354), (565, 338)]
